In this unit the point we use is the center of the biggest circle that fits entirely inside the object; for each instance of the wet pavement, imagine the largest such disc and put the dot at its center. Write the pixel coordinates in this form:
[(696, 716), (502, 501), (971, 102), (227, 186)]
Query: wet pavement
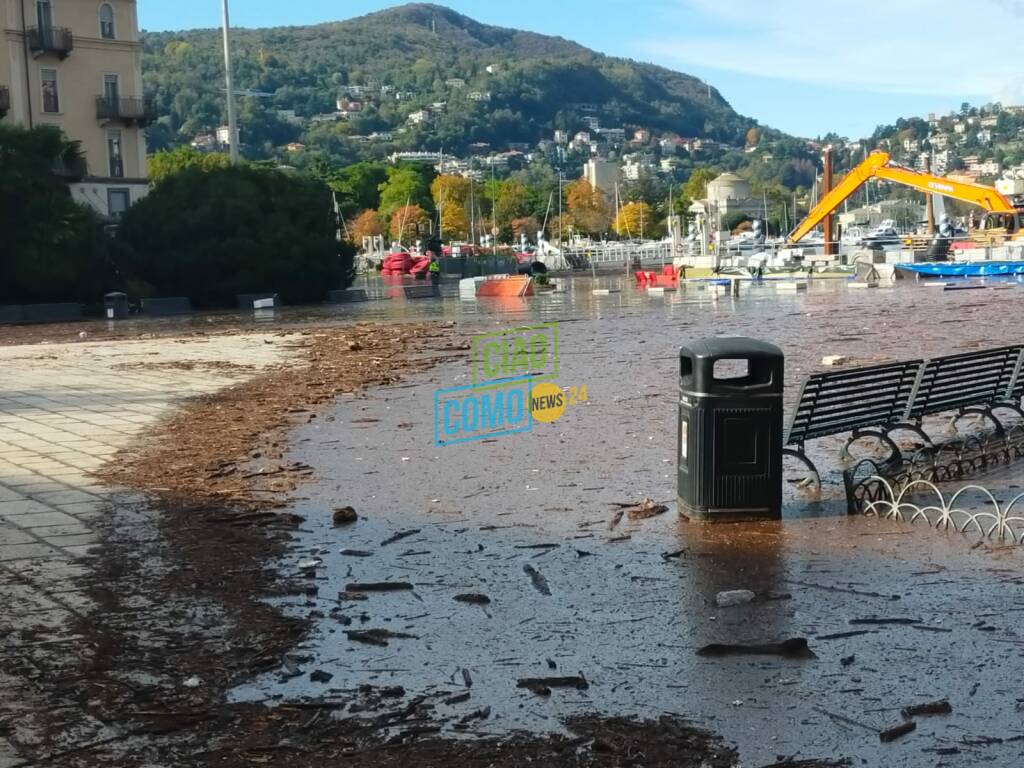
[(529, 514)]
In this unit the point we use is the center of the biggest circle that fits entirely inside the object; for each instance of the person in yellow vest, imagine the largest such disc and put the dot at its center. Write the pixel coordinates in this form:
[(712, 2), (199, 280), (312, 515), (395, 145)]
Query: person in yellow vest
[(434, 268)]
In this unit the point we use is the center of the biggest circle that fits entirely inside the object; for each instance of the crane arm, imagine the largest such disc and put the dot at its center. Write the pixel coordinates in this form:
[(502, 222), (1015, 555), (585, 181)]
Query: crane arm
[(876, 165)]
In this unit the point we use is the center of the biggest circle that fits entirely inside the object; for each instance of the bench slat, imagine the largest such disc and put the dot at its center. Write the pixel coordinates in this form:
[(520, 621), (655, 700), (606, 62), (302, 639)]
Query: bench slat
[(833, 403), (970, 378)]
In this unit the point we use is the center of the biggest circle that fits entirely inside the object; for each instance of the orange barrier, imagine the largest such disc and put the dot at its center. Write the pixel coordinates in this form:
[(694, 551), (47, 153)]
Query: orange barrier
[(506, 285)]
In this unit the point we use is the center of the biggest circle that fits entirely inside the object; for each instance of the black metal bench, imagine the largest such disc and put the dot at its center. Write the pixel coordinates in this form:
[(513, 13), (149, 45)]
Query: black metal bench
[(878, 400), (966, 383), (861, 401)]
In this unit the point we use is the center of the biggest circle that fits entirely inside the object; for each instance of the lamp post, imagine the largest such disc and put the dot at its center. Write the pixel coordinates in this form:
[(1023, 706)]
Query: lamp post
[(232, 120)]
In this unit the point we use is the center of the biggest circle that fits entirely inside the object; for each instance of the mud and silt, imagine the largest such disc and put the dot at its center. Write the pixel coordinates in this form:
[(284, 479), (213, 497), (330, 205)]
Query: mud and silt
[(524, 520), (627, 608)]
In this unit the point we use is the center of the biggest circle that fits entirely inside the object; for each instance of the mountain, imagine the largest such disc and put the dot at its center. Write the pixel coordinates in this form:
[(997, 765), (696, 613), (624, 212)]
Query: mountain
[(498, 86)]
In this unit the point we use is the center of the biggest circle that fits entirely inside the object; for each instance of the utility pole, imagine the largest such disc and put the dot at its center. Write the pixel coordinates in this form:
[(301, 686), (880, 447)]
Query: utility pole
[(560, 208), (229, 83)]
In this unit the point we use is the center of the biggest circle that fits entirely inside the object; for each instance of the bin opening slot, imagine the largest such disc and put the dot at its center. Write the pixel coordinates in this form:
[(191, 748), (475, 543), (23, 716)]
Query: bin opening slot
[(731, 369), (686, 370)]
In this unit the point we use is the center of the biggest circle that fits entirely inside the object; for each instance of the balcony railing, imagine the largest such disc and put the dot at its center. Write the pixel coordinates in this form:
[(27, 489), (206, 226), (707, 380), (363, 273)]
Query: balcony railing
[(70, 169), (5, 100), (130, 109), (56, 40)]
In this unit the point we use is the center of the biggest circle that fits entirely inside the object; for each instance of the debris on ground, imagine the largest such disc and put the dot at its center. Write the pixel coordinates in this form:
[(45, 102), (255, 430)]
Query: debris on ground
[(473, 598), (345, 516), (733, 597), (539, 582), (881, 622), (794, 648), (379, 586), (639, 510), (897, 731), (378, 637), (940, 707), (399, 536), (542, 685)]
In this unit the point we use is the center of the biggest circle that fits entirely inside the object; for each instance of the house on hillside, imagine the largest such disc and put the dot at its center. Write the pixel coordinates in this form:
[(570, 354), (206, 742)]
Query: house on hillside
[(455, 82), (419, 117)]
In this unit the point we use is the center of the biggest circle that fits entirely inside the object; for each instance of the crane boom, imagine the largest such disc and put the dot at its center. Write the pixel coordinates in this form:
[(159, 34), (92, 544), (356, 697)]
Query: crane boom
[(877, 166)]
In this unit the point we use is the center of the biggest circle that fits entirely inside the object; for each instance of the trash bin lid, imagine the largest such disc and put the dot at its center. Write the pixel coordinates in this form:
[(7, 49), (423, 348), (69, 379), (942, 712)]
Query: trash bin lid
[(730, 347), (762, 373)]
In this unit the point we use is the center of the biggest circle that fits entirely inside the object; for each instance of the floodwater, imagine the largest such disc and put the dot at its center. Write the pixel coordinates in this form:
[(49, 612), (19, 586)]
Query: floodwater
[(530, 513)]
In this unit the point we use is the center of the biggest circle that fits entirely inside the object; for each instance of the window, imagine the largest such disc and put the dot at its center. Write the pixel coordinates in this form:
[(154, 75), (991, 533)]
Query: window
[(118, 201), (107, 21), (114, 155), (44, 15), (111, 90), (51, 98)]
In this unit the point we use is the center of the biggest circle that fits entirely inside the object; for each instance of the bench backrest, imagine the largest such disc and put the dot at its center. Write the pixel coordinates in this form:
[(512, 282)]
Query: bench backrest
[(970, 378), (833, 403)]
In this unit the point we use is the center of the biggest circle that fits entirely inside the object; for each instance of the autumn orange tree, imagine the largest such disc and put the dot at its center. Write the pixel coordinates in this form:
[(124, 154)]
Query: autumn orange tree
[(525, 225), (634, 219), (588, 208), (407, 223), (366, 224)]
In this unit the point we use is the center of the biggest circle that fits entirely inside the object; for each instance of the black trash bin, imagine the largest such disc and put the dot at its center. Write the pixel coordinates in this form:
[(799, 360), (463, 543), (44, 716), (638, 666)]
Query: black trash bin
[(116, 304), (730, 430)]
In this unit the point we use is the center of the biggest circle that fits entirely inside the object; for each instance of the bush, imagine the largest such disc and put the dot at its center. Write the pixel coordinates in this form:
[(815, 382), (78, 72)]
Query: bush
[(52, 249), (210, 235)]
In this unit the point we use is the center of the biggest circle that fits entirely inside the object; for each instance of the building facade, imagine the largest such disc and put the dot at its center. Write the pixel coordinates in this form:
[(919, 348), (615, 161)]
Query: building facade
[(602, 175), (77, 65)]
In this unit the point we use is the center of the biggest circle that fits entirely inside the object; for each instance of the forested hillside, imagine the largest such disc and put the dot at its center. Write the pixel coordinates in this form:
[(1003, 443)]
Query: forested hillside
[(486, 84)]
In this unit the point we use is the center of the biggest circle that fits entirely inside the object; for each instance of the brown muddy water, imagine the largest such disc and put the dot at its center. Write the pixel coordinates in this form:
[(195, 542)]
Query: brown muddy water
[(529, 513)]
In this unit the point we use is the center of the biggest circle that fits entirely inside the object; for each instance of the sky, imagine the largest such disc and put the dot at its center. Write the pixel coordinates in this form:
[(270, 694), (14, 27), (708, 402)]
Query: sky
[(808, 67)]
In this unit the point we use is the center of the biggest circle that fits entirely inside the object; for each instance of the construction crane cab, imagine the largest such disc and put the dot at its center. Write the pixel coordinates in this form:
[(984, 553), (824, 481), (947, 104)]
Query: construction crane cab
[(1003, 216)]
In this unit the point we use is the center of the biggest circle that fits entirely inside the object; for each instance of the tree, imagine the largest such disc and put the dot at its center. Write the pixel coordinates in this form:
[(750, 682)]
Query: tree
[(405, 185), (171, 161), (450, 190), (408, 222), (753, 137), (211, 235), (526, 225), (588, 208), (52, 249), (359, 184), (513, 200), (733, 221), (696, 188), (366, 224), (454, 223), (634, 219)]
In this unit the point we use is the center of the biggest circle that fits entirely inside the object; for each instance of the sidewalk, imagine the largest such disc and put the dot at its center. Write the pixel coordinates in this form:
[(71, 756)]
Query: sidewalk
[(64, 411)]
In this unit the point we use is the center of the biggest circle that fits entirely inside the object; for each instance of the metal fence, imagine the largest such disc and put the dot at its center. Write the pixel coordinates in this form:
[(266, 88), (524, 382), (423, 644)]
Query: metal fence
[(619, 254)]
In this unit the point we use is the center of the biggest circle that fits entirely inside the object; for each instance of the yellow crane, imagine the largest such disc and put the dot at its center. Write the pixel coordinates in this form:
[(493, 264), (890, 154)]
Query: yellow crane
[(1003, 217)]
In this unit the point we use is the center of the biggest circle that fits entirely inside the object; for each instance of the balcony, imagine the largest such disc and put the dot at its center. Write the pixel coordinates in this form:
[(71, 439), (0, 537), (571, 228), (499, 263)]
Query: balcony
[(56, 40), (141, 111), (70, 169), (5, 100)]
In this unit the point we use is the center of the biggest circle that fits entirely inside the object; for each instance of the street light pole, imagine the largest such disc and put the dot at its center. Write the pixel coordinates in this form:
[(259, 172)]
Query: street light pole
[(232, 120), (560, 246)]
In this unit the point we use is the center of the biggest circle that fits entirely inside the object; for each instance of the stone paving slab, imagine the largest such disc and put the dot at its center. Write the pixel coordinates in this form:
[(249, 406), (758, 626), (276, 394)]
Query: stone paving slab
[(66, 409)]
